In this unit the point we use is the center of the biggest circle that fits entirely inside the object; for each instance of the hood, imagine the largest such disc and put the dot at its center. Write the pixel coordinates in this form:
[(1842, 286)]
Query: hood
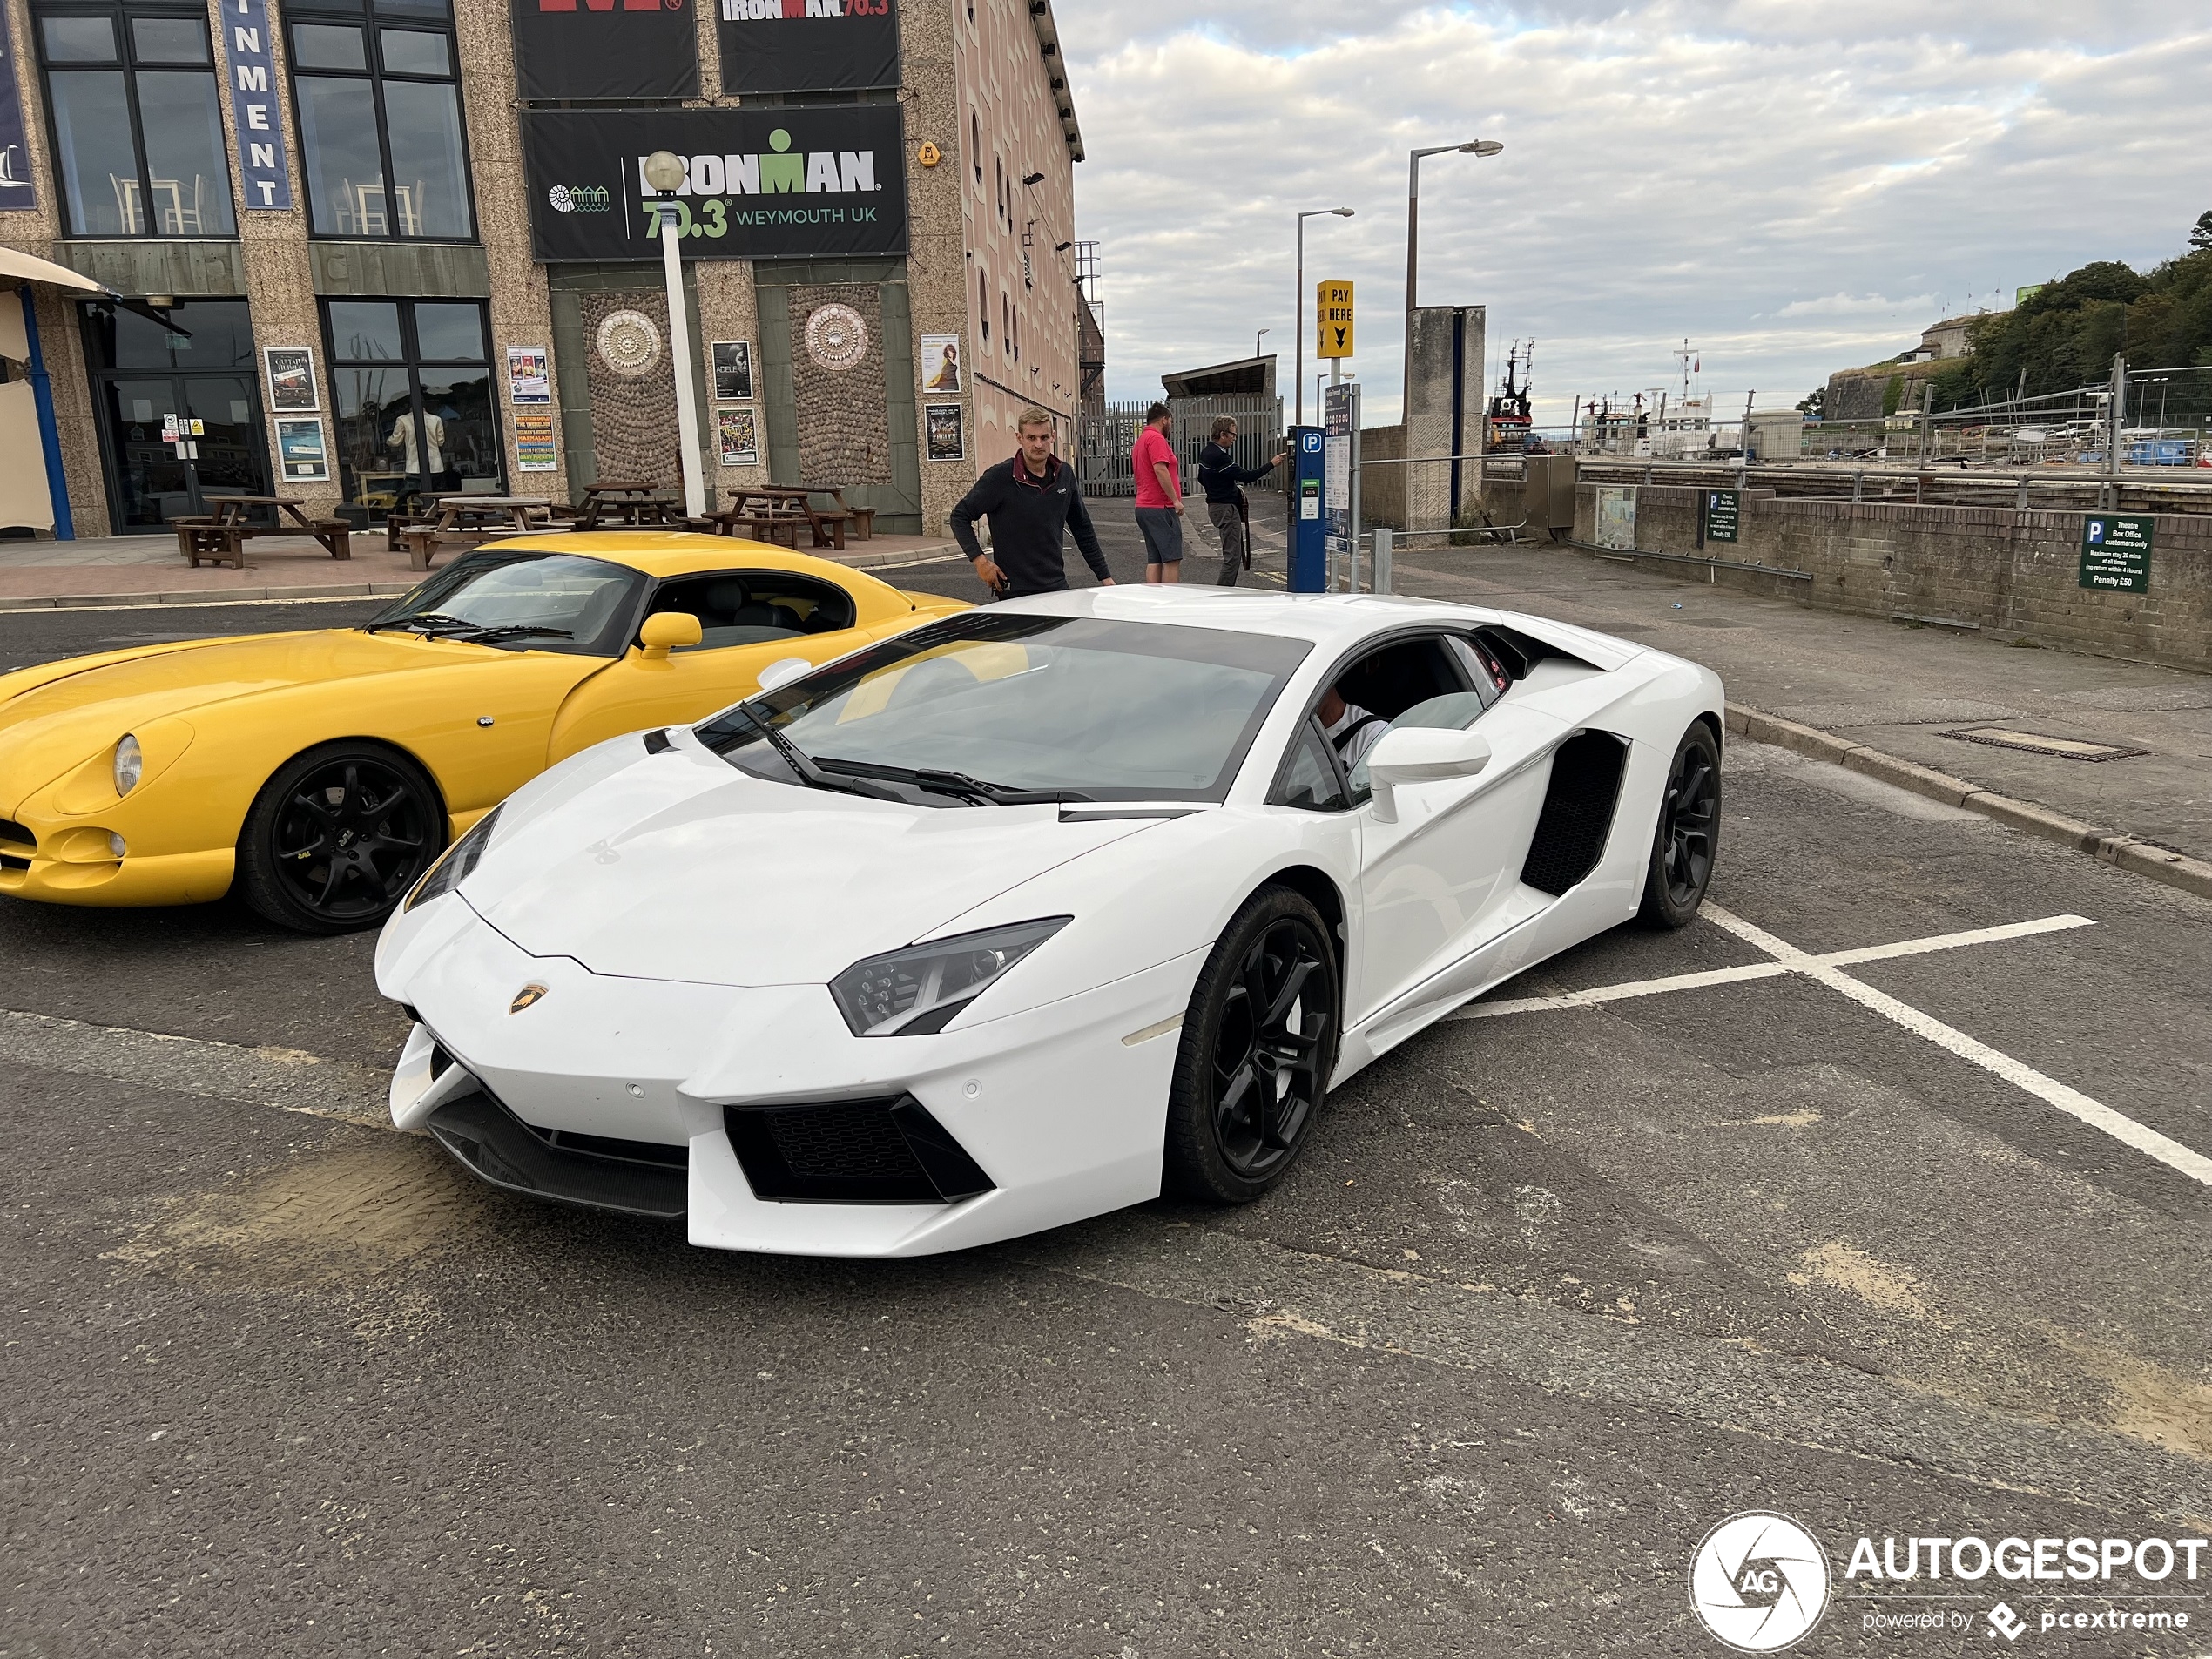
[(54, 716), (670, 871)]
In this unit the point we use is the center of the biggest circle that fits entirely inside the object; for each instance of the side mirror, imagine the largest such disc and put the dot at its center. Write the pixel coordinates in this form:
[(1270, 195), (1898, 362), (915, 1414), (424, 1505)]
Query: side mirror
[(783, 671), (665, 629), (1414, 754)]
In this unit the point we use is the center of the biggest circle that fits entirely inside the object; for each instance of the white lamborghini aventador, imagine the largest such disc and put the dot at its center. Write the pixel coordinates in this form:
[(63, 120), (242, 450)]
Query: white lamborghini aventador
[(1027, 913)]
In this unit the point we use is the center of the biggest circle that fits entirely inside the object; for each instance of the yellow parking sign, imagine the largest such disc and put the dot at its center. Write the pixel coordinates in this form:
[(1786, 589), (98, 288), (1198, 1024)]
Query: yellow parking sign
[(1333, 318)]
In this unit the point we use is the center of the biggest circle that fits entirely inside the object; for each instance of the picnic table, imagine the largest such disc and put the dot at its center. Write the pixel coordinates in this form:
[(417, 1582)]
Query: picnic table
[(220, 537), (775, 512), (628, 504), (863, 518), (470, 521)]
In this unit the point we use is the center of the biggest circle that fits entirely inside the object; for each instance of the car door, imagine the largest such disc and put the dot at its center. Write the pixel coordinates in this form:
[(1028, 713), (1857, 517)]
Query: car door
[(748, 619), (1436, 880)]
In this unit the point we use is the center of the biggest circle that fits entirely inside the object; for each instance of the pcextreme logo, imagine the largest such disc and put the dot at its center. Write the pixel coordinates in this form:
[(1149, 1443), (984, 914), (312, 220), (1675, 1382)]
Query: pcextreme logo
[(1758, 1581), (782, 170)]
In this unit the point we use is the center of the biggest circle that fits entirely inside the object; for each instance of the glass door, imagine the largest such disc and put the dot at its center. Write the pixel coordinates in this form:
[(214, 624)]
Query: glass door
[(150, 484), (231, 452)]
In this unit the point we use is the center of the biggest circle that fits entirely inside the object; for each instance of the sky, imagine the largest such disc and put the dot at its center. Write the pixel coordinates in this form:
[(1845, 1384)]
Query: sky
[(1795, 187)]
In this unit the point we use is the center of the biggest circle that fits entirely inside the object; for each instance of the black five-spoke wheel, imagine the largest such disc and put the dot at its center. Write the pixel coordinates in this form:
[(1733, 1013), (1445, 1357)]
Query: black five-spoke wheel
[(1259, 1043), (1688, 834), (337, 837)]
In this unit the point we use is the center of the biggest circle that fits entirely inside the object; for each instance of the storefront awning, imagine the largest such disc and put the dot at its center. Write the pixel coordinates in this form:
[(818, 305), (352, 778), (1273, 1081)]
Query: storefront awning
[(18, 266)]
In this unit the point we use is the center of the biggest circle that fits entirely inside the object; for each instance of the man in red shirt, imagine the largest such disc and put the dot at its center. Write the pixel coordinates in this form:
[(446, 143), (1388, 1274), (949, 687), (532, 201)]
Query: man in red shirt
[(1159, 498)]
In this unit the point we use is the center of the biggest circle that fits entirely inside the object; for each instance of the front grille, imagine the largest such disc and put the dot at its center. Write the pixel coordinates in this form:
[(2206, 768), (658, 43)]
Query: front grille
[(889, 1151), (13, 834)]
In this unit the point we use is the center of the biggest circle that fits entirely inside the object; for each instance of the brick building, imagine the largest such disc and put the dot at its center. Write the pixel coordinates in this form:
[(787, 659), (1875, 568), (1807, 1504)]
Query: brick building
[(379, 249)]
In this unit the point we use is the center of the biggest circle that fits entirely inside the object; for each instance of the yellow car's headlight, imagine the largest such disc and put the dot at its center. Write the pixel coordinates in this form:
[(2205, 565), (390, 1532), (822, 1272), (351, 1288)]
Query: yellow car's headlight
[(130, 765)]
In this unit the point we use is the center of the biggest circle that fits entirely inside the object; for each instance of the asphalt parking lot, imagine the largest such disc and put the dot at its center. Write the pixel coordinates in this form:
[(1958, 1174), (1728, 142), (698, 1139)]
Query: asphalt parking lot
[(1875, 1242)]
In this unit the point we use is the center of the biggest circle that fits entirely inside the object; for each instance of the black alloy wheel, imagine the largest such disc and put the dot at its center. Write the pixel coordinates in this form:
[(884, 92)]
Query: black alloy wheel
[(1258, 1044), (338, 836), (1688, 834)]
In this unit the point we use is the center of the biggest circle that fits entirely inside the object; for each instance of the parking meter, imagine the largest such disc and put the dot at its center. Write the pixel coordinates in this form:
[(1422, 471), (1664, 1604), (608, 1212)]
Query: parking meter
[(1309, 511)]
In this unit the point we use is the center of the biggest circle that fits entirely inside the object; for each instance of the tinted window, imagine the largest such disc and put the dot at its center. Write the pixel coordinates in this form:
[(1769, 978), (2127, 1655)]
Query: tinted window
[(384, 157), (203, 333), (80, 40), (755, 607), (1309, 778)]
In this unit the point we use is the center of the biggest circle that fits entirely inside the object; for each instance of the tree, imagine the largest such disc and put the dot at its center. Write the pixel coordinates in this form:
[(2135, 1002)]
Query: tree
[(1811, 405), (2200, 238)]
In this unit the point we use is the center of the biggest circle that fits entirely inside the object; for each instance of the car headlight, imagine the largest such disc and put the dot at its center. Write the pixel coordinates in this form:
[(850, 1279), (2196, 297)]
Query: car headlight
[(915, 991), (130, 765), (460, 859)]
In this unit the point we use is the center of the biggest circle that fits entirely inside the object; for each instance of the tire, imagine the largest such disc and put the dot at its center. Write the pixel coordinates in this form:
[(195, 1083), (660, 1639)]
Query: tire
[(1688, 834), (337, 836), (1247, 1088)]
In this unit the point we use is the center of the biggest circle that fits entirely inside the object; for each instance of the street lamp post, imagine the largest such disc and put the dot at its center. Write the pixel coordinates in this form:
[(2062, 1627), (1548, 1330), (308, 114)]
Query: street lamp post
[(664, 173), (1298, 365), (1256, 339), (1477, 147)]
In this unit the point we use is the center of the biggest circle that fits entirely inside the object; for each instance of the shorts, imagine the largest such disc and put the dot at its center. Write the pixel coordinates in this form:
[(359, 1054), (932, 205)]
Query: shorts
[(1163, 528)]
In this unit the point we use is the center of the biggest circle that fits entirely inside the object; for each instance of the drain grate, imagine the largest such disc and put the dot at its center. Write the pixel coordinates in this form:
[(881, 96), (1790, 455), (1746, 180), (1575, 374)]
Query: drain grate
[(1998, 737)]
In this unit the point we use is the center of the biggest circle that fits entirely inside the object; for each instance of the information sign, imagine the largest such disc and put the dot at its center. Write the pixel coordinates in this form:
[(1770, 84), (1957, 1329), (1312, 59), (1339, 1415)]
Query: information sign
[(1332, 320), (2115, 552), (1722, 511)]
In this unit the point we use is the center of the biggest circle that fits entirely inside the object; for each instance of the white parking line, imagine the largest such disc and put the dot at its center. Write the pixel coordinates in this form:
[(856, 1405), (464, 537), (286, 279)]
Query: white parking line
[(1827, 969)]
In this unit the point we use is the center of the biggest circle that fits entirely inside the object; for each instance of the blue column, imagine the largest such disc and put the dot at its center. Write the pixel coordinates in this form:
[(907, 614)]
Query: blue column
[(49, 433)]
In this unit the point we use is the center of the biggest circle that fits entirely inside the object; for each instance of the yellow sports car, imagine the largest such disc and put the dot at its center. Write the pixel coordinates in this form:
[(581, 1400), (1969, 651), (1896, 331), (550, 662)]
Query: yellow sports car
[(320, 773)]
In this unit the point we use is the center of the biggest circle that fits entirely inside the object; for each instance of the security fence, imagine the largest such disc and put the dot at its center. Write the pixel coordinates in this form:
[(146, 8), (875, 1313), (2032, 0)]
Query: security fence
[(1109, 434)]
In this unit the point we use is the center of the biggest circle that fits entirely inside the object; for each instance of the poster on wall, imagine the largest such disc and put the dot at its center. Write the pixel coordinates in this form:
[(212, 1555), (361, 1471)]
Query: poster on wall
[(301, 458), (292, 378), (739, 432), (534, 447), (597, 49), (940, 369), (530, 374), (733, 368), (17, 191), (792, 46), (775, 183), (947, 431)]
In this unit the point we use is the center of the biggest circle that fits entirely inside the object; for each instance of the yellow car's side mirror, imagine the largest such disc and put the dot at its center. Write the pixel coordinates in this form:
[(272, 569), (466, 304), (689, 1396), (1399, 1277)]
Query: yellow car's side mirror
[(664, 631)]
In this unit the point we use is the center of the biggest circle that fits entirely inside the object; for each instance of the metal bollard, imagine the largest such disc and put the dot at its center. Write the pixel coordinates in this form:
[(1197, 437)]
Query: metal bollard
[(1383, 540)]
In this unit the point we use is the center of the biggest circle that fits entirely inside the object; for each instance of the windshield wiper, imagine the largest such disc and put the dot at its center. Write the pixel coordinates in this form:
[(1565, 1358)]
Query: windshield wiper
[(807, 772), (939, 781), (515, 630), (437, 619)]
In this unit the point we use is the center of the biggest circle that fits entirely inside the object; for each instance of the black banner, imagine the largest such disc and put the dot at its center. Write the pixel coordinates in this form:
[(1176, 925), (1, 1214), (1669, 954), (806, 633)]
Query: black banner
[(808, 45), (606, 48), (760, 184)]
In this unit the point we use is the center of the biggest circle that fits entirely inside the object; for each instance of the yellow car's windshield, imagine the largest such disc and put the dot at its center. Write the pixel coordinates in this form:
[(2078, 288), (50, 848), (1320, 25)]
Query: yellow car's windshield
[(524, 601)]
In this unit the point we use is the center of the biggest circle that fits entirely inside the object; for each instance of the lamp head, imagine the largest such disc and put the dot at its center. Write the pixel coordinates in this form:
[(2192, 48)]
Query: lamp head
[(664, 170), (1481, 147), (1033, 179), (1341, 212)]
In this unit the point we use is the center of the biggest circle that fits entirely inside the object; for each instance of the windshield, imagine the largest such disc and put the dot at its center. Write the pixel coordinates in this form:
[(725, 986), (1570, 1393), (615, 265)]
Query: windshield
[(982, 708), (522, 601)]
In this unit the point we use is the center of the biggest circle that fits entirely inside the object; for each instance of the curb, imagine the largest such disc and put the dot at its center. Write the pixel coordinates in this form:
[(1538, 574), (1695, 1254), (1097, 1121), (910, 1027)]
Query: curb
[(200, 596), (2121, 850)]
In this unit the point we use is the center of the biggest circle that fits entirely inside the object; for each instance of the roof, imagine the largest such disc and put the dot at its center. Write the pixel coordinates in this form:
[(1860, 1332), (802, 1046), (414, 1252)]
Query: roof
[(1056, 72), (1253, 376), (666, 553), (1324, 618)]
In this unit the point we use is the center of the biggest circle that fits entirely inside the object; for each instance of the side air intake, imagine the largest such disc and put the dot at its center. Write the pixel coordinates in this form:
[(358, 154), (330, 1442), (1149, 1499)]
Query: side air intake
[(851, 1151), (1578, 810)]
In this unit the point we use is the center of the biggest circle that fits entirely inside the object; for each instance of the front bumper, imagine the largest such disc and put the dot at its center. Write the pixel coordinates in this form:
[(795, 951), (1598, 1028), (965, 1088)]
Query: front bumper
[(794, 1135)]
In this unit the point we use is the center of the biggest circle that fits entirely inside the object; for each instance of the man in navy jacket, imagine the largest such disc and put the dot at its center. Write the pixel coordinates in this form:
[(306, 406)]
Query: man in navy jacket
[(1030, 501), (1220, 475)]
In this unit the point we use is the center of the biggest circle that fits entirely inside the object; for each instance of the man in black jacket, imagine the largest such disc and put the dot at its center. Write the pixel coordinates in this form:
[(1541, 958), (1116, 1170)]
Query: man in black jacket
[(1226, 505), (1029, 501)]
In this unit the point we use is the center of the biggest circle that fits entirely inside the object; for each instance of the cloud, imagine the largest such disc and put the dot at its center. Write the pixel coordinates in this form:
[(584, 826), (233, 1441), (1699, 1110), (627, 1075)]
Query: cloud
[(1670, 171)]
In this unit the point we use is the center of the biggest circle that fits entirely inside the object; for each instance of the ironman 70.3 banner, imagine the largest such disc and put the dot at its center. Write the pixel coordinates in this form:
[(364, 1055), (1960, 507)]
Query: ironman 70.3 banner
[(758, 184), (808, 45)]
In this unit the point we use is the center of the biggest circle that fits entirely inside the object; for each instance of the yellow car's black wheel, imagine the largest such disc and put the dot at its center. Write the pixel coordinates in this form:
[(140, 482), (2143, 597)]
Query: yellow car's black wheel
[(338, 836)]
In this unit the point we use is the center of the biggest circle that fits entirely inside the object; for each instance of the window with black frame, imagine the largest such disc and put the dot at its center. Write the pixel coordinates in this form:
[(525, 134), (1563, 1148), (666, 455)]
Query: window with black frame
[(377, 94), (414, 402), (138, 126)]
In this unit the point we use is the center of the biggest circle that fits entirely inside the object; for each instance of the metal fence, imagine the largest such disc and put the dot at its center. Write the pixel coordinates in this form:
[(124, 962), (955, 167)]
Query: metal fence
[(1109, 435)]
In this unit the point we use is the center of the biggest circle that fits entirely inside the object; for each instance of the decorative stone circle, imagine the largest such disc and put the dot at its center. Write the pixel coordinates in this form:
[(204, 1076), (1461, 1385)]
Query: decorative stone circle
[(629, 343), (836, 337)]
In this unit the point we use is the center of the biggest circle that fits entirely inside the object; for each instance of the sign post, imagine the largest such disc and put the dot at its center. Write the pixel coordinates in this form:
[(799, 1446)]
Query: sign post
[(2115, 552)]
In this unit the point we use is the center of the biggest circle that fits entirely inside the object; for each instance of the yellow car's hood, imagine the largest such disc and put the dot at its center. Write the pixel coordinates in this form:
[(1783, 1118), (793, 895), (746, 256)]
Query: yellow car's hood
[(59, 714)]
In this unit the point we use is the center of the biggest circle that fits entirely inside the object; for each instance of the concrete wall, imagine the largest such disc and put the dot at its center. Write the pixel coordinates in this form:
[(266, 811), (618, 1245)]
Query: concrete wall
[(2012, 574), (1431, 361)]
